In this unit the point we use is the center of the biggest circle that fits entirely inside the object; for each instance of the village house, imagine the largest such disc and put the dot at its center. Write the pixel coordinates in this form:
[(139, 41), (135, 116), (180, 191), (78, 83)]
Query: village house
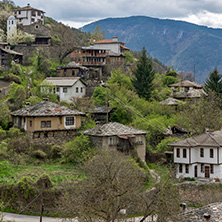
[(101, 54), (187, 90), (7, 56), (72, 69), (199, 156), (67, 88), (28, 15), (115, 135), (47, 122)]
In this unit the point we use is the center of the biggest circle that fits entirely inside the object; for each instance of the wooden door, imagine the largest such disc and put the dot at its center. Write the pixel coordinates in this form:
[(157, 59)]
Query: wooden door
[(207, 172), (195, 171)]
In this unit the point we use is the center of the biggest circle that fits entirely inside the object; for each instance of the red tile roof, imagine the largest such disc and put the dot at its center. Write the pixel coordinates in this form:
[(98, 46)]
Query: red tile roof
[(107, 41), (124, 47), (28, 8)]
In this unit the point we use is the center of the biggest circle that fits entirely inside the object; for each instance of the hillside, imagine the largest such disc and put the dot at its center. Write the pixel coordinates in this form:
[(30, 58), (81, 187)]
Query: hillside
[(176, 43)]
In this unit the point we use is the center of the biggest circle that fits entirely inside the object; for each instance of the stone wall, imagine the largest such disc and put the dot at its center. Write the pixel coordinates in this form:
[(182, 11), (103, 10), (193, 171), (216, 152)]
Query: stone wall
[(52, 137)]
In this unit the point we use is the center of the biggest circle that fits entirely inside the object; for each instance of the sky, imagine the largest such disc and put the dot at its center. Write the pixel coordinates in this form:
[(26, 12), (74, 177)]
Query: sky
[(77, 13)]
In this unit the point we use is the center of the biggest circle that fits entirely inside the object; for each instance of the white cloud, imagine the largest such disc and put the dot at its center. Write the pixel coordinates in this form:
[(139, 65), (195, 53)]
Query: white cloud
[(78, 13)]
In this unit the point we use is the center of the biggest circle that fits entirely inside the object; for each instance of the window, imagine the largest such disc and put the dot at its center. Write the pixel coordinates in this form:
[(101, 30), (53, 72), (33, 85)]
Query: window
[(211, 169), (33, 20), (201, 152), (73, 72), (19, 12), (180, 168), (187, 168), (57, 89), (65, 90), (39, 13), (202, 168), (69, 121), (184, 153), (64, 73), (113, 141), (178, 153), (77, 89), (30, 123), (211, 153), (81, 90), (45, 124)]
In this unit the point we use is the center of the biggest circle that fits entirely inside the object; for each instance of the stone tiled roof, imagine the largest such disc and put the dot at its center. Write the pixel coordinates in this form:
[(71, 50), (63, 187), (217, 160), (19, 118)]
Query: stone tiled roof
[(197, 215), (72, 65), (213, 139), (170, 101), (186, 83), (11, 52), (62, 81), (99, 109), (46, 108), (113, 129)]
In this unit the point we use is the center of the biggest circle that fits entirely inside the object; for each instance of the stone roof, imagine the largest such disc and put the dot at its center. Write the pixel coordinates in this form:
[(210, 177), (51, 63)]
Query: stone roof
[(197, 215), (213, 139), (46, 108), (113, 129), (11, 52), (62, 81), (186, 83), (28, 8), (99, 109), (170, 101), (72, 65)]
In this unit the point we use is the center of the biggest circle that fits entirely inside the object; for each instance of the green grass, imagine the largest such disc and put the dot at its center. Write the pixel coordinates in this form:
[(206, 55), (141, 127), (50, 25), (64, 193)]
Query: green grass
[(59, 173)]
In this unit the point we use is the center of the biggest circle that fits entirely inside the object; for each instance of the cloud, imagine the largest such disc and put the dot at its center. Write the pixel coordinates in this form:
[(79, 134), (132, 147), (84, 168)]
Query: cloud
[(202, 12)]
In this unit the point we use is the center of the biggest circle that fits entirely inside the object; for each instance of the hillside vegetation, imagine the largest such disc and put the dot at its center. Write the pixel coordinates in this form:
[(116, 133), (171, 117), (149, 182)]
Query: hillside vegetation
[(176, 43)]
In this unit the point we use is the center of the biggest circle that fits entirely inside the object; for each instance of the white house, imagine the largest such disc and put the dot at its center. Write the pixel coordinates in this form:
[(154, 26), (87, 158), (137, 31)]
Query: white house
[(110, 44), (67, 87), (199, 156), (28, 15), (11, 27)]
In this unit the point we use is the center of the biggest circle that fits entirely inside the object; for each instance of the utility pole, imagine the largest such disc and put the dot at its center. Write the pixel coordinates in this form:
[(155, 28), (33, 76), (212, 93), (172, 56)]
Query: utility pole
[(194, 69), (107, 106)]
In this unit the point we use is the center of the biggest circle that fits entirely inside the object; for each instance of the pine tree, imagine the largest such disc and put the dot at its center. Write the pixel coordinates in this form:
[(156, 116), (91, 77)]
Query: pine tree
[(214, 83), (144, 75)]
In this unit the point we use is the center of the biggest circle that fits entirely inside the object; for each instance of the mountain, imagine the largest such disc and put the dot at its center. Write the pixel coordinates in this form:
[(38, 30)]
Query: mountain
[(181, 44)]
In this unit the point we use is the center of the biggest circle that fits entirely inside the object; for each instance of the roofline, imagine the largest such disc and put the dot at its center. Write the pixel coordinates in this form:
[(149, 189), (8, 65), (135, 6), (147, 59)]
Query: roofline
[(115, 134), (190, 146)]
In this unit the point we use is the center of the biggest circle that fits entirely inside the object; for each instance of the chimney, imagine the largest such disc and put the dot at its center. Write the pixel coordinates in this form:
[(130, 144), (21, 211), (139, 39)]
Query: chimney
[(28, 4), (206, 217), (115, 39), (183, 207)]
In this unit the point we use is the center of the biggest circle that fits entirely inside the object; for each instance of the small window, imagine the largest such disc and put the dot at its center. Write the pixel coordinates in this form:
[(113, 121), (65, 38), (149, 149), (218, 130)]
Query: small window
[(178, 153), (187, 168), (81, 90), (201, 152), (73, 72), (69, 121), (212, 169), (77, 89), (202, 168), (30, 123), (12, 22), (64, 73), (19, 12), (65, 90), (211, 153), (48, 124), (57, 89), (184, 153), (110, 141), (43, 124), (180, 168)]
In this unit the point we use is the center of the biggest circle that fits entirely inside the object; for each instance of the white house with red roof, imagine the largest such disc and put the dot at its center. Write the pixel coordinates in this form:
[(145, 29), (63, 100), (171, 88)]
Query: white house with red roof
[(28, 15), (111, 44)]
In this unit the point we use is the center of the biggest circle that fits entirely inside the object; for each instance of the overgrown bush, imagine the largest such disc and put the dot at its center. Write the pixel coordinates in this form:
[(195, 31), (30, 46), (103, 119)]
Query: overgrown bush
[(78, 150), (56, 152), (162, 146), (39, 154)]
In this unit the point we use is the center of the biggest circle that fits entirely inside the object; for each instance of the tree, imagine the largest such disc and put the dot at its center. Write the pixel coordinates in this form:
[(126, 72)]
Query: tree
[(112, 183), (21, 37), (97, 35), (214, 83), (144, 75)]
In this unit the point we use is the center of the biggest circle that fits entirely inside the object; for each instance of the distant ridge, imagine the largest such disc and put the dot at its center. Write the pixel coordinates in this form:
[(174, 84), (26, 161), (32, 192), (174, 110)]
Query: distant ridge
[(176, 43)]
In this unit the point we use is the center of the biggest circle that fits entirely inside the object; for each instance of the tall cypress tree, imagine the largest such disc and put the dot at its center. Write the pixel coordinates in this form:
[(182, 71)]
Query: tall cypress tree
[(214, 82), (144, 75)]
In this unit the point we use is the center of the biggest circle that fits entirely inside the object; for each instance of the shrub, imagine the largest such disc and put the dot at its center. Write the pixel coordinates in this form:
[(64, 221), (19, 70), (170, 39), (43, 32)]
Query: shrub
[(44, 181), (2, 134), (162, 146), (39, 154), (14, 132), (56, 152), (78, 150)]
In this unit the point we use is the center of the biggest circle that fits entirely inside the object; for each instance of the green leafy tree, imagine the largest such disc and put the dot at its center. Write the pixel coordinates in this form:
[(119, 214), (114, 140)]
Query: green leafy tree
[(129, 57), (5, 116), (78, 150), (214, 83), (97, 35), (99, 96), (144, 75)]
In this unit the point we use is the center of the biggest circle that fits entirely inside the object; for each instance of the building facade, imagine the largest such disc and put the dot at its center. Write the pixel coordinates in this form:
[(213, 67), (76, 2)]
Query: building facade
[(199, 156)]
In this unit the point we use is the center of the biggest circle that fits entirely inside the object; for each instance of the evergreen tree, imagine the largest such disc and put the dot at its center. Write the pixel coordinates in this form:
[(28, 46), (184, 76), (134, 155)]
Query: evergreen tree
[(214, 83), (144, 75)]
